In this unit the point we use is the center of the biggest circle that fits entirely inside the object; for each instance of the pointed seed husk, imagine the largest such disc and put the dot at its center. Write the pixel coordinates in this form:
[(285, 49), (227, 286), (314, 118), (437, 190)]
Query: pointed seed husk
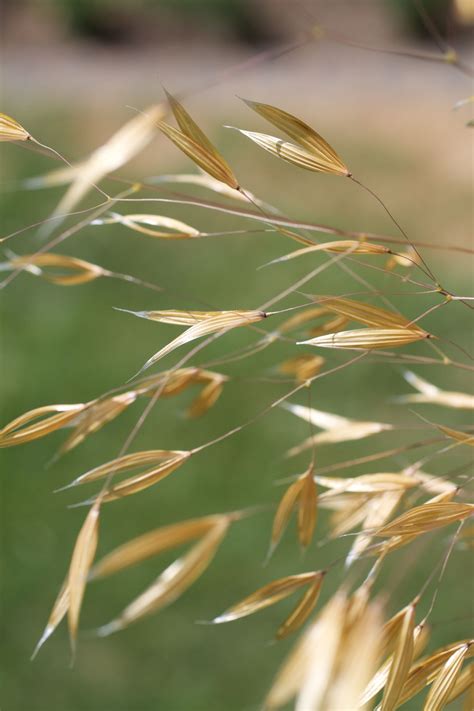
[(81, 561), (368, 338), (153, 543), (81, 272), (426, 518), (15, 431), (144, 223), (292, 153), (401, 660), (442, 686), (300, 132), (11, 130), (210, 161), (174, 580), (272, 593), (350, 246), (211, 323)]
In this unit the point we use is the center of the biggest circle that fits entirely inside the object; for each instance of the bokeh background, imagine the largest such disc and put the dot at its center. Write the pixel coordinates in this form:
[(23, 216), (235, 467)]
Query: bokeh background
[(71, 70)]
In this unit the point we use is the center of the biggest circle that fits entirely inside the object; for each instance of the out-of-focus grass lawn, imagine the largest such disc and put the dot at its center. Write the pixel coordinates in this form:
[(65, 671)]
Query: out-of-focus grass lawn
[(63, 345)]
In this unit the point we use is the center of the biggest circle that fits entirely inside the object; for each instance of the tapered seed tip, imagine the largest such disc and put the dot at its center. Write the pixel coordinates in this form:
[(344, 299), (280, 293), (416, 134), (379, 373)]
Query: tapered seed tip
[(351, 558), (67, 486), (293, 452), (270, 552), (138, 373), (169, 96), (46, 634), (128, 311), (109, 629), (87, 502)]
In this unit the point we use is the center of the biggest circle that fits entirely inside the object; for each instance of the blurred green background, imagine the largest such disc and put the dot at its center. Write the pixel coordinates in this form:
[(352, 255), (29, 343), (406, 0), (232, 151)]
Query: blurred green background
[(65, 345)]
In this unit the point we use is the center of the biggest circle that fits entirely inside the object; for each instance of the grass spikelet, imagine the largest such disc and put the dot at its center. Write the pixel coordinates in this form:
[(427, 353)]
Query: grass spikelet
[(169, 382), (82, 558), (335, 678), (301, 318), (190, 318), (272, 593), (337, 428), (174, 382), (193, 142), (444, 683), (464, 683), (429, 393), (298, 131), (402, 540), (284, 511), (349, 512), (307, 510), (208, 396), (144, 223), (153, 543), (302, 367), (421, 635), (368, 338), (367, 314), (124, 145), (375, 499), (352, 246), (300, 494), (87, 418), (15, 432), (459, 436), (306, 672), (11, 130), (163, 461), (378, 510), (78, 271), (426, 670), (304, 608), (204, 324), (401, 660), (318, 418), (217, 167), (391, 631), (188, 126), (95, 415), (174, 580), (325, 157), (291, 153), (336, 323), (354, 667), (367, 483), (206, 181), (426, 518), (434, 484)]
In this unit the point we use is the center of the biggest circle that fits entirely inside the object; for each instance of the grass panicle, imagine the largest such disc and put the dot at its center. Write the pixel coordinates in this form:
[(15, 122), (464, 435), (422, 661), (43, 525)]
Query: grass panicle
[(369, 516)]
